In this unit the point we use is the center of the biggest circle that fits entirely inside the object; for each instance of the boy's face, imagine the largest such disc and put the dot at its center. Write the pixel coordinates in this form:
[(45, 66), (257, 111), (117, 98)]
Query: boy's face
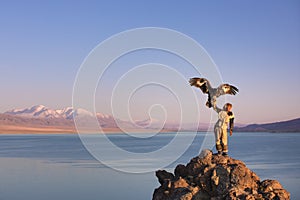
[(229, 108)]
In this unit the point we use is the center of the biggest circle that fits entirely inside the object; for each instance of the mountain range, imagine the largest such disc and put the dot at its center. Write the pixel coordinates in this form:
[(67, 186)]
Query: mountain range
[(283, 126), (40, 118), (40, 111)]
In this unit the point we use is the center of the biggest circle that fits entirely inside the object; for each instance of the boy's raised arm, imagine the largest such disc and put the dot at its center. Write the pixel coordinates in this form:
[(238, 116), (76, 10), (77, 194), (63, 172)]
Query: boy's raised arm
[(216, 108)]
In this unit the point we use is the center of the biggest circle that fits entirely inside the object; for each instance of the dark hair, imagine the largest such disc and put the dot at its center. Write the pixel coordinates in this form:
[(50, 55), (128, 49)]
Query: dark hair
[(226, 105)]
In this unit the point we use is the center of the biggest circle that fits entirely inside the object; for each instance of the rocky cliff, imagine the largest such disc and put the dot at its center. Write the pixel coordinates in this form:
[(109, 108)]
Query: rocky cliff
[(215, 177)]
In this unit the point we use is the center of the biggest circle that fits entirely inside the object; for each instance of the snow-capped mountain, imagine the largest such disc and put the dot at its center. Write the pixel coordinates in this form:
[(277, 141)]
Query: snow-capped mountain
[(41, 111), (38, 111), (44, 115)]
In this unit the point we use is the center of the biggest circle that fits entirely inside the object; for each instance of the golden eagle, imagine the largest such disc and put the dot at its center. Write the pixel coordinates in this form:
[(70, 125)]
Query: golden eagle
[(213, 93)]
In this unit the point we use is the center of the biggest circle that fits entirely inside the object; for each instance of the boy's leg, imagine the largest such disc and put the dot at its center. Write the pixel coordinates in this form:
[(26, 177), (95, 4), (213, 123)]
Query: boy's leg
[(218, 133), (224, 140)]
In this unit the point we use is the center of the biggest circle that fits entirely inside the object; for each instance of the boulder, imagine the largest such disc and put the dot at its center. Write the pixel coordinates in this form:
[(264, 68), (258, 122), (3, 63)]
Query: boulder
[(215, 177)]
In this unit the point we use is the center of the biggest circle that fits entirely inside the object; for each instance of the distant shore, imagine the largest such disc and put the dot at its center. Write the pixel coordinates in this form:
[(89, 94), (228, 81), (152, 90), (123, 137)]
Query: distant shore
[(9, 129)]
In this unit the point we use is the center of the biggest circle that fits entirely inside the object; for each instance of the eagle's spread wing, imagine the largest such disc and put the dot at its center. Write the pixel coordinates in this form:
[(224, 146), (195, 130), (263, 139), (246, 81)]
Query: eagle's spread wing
[(227, 89), (201, 83)]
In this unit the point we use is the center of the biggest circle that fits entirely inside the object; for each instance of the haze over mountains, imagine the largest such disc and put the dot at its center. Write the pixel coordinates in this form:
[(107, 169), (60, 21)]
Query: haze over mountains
[(40, 118)]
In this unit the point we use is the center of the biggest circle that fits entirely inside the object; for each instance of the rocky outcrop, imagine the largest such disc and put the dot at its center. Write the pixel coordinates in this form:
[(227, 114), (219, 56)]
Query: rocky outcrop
[(215, 177)]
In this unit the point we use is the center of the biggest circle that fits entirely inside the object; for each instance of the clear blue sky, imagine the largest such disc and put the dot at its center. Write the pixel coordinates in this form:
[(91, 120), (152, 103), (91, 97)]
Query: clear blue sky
[(255, 44)]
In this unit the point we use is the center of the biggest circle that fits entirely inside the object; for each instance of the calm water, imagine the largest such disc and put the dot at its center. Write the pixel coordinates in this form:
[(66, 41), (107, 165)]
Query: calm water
[(47, 167)]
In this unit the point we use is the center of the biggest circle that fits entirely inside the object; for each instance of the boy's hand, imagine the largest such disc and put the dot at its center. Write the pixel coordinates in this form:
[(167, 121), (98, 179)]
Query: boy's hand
[(230, 132)]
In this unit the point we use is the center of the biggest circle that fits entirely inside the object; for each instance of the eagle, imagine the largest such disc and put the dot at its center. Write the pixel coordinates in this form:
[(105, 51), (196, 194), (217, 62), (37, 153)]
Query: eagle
[(213, 93)]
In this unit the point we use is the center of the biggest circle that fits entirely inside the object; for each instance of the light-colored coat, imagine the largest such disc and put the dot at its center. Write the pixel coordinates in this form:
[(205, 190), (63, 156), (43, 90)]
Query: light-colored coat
[(220, 129)]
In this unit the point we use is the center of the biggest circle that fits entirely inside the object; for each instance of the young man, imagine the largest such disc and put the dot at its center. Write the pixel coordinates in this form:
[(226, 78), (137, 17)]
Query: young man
[(225, 116)]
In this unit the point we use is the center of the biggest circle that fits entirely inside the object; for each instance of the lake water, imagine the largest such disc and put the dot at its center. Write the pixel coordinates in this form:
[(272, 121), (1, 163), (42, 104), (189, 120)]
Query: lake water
[(47, 167)]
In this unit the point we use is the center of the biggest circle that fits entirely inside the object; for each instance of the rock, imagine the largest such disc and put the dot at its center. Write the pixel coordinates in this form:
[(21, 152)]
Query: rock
[(164, 176), (272, 189), (206, 153), (180, 183), (215, 177), (181, 170)]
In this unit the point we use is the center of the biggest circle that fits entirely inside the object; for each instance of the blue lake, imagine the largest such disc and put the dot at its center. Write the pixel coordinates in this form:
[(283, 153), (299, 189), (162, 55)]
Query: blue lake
[(47, 167)]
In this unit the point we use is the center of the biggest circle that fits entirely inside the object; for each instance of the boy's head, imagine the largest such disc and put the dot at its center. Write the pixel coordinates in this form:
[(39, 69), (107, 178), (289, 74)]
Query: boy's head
[(227, 107)]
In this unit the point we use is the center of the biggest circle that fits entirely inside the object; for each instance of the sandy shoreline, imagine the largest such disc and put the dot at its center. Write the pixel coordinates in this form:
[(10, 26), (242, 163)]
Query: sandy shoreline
[(9, 129), (48, 130)]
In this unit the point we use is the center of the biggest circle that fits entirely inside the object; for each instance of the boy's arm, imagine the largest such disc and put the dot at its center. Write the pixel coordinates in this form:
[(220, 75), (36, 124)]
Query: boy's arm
[(231, 122), (216, 108)]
